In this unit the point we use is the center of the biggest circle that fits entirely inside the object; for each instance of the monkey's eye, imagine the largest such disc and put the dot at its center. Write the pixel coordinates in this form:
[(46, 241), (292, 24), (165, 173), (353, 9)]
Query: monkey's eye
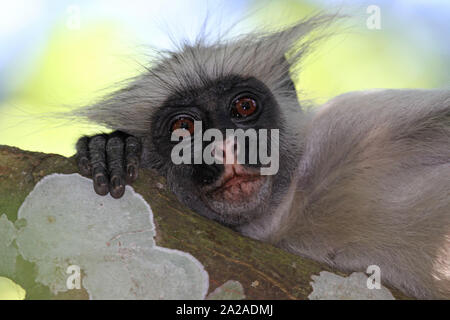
[(185, 124), (243, 107)]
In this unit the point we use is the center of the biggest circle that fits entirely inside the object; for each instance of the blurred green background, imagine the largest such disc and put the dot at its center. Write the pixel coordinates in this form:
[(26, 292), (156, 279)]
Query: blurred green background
[(60, 54)]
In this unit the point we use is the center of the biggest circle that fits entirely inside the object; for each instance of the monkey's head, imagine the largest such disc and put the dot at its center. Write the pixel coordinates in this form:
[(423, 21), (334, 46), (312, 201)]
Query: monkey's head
[(240, 84), (227, 190)]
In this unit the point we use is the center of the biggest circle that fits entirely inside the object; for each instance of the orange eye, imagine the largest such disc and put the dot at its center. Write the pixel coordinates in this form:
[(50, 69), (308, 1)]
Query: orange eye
[(243, 107), (184, 123)]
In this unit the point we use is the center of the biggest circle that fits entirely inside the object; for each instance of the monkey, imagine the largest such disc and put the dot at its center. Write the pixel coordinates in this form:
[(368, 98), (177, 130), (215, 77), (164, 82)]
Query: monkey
[(363, 179)]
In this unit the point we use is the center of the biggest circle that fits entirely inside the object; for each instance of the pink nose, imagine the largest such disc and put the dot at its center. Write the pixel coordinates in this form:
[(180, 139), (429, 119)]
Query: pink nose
[(226, 151)]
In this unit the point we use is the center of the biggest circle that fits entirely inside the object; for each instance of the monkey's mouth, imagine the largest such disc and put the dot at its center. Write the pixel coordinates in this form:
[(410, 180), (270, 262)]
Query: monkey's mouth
[(238, 191), (238, 188)]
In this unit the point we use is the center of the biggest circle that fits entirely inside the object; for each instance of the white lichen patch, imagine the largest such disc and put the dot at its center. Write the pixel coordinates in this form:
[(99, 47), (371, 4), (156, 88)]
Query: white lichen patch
[(230, 290), (330, 286), (110, 240), (8, 253)]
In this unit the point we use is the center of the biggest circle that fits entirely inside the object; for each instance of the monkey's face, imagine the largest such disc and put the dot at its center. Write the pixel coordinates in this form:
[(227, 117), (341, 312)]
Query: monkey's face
[(230, 186)]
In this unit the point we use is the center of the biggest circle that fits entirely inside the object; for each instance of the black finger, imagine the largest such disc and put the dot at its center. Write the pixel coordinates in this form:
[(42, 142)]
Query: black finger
[(97, 148), (83, 156), (132, 155), (115, 159)]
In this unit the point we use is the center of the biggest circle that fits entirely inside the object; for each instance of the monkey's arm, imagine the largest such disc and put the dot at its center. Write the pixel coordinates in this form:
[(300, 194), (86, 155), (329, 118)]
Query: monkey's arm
[(112, 160)]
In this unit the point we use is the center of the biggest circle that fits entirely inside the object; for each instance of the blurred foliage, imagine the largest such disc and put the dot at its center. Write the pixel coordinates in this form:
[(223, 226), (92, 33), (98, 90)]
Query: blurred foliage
[(77, 67), (350, 56), (10, 290)]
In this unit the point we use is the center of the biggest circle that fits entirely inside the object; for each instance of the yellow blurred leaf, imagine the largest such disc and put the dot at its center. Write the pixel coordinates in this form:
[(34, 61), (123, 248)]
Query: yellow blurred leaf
[(9, 290)]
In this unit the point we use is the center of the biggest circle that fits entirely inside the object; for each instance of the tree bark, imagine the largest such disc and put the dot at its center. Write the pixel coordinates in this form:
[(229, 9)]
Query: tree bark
[(265, 272)]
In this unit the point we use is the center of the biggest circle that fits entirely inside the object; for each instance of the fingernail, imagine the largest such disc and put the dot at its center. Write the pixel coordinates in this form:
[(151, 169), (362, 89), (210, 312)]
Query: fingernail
[(131, 171), (100, 180), (116, 183), (117, 187)]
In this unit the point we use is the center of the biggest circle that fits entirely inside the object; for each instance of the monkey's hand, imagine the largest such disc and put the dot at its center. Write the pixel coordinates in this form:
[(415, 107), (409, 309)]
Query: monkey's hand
[(111, 160)]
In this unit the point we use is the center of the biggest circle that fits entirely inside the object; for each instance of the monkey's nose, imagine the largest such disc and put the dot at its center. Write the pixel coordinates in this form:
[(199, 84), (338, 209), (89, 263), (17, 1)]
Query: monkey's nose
[(226, 151)]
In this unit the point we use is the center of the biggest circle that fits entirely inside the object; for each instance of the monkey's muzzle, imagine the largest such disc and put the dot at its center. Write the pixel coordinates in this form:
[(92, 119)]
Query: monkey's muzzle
[(238, 190)]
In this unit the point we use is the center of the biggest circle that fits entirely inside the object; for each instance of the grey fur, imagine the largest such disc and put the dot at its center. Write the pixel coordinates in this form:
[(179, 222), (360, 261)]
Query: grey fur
[(374, 188), (369, 172), (258, 55)]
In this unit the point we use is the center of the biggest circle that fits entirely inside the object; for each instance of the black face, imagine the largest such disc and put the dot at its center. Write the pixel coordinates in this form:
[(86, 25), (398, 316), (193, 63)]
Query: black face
[(232, 194)]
